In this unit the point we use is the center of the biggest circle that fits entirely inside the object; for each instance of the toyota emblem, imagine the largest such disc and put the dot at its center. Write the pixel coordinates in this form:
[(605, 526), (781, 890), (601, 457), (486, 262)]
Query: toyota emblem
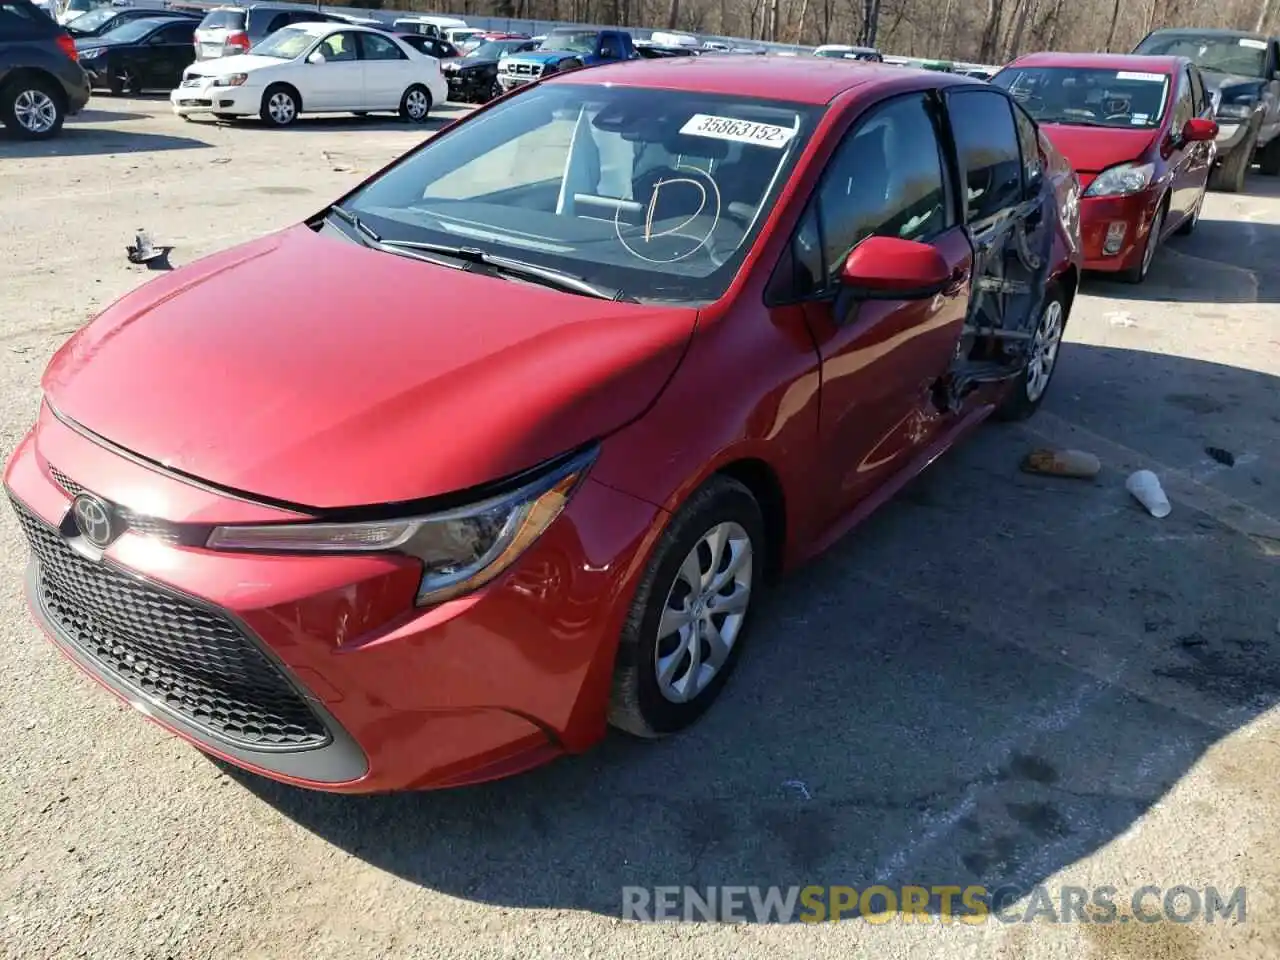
[(93, 519)]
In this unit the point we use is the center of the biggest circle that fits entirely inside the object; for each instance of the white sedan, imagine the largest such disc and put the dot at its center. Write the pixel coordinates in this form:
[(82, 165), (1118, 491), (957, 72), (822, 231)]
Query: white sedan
[(314, 68)]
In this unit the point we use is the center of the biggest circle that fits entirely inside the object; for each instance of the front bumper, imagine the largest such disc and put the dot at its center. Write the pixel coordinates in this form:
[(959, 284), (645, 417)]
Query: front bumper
[(1098, 215), (318, 670), (469, 86), (510, 81), (242, 101)]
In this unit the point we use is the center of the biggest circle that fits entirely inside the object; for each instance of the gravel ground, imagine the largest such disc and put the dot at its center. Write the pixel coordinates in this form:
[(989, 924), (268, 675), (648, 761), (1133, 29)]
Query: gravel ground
[(999, 679)]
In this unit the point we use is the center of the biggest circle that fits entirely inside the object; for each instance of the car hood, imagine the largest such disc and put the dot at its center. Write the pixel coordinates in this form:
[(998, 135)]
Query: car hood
[(239, 63), (458, 64), (1092, 149), (307, 369), (94, 43), (544, 56)]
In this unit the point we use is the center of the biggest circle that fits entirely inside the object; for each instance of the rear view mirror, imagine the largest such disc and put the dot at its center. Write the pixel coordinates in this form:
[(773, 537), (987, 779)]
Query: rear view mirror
[(889, 268), (1199, 129), (316, 57)]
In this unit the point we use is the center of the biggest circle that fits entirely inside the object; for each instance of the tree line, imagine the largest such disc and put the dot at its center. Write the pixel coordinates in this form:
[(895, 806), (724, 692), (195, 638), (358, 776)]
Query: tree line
[(986, 31)]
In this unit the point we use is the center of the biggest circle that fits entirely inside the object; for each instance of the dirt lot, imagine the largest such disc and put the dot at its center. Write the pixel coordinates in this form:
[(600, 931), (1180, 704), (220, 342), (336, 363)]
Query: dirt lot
[(999, 679)]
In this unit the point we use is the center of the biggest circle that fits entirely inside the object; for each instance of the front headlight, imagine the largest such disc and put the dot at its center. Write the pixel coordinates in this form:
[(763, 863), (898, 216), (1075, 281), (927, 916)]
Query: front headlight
[(460, 549), (91, 54), (231, 80), (1121, 180)]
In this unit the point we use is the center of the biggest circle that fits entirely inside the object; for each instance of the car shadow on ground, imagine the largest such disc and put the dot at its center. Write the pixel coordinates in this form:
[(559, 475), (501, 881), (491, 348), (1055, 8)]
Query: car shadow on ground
[(96, 115), (997, 675), (77, 141), (1223, 261)]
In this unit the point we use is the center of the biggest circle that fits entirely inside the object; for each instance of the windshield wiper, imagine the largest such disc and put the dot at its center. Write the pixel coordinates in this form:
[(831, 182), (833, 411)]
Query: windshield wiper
[(547, 276), (366, 233)]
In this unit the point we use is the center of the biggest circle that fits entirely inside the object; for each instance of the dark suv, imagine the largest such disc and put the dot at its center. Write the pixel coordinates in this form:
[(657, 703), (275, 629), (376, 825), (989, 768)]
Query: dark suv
[(227, 31), (41, 82)]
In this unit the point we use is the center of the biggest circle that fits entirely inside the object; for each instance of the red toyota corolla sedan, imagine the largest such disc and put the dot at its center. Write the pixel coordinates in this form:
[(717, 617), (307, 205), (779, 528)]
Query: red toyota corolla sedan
[(1139, 132), (503, 445)]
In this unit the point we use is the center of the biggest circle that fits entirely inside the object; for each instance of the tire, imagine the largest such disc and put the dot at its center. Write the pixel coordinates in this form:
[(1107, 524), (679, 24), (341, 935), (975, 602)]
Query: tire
[(1228, 177), (32, 108), (1028, 392), (641, 704), (280, 105), (495, 91), (119, 84), (1269, 158), (415, 105), (1138, 272)]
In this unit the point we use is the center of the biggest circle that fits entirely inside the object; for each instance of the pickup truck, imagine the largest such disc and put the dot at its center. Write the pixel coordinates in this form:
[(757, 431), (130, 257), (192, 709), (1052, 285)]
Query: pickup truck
[(1241, 72), (564, 49)]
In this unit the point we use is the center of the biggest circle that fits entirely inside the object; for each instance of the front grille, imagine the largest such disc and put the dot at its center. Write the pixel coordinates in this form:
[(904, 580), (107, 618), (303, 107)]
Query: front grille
[(139, 523), (192, 660), (527, 69)]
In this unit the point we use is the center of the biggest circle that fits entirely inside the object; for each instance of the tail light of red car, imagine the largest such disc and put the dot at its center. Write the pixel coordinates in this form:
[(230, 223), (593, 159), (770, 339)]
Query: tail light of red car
[(239, 39), (67, 46)]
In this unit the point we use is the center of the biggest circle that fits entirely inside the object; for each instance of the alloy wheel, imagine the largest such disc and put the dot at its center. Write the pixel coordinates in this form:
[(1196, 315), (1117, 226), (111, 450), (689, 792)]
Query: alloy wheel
[(1044, 350), (282, 108), (35, 111), (704, 612), (416, 104)]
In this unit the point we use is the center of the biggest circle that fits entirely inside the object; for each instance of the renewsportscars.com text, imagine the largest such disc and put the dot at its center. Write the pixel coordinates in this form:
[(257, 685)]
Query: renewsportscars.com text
[(936, 904)]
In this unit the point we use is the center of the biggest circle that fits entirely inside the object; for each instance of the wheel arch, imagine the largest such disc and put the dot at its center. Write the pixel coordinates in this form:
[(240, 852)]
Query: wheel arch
[(763, 482), (297, 94), (19, 74)]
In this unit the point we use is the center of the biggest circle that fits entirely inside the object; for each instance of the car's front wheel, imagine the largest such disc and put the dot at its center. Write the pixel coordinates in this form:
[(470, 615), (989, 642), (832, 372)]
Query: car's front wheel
[(31, 108), (1028, 391), (280, 105), (415, 104), (1228, 176), (688, 620)]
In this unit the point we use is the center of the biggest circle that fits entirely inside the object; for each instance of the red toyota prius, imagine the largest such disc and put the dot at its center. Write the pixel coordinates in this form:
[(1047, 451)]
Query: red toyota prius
[(503, 445), (1138, 130)]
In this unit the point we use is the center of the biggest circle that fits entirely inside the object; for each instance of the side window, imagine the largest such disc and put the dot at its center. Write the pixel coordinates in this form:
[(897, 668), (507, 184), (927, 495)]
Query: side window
[(278, 21), (375, 47), (885, 178), (1029, 144), (1183, 106), (338, 47), (177, 33), (609, 46), (19, 19), (988, 150)]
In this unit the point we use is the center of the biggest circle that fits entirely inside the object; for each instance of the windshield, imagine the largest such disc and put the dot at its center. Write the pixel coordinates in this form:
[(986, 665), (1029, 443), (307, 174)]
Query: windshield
[(132, 31), (223, 19), (570, 41), (287, 43), (1242, 56), (656, 193), (1088, 97), (95, 18), (494, 49)]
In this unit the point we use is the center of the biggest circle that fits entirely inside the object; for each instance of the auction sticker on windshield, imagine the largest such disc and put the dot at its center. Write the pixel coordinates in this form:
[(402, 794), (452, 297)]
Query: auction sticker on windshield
[(1253, 44), (739, 131), (1147, 77)]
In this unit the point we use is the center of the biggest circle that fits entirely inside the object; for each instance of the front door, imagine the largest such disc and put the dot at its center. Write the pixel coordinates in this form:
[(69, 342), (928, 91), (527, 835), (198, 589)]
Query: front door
[(881, 359), (335, 78), (1185, 188), (172, 51), (1009, 218)]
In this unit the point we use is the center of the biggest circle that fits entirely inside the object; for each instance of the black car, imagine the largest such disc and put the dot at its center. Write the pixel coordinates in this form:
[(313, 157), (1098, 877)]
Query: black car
[(41, 84), (474, 78), (658, 51), (97, 22), (145, 54), (431, 46)]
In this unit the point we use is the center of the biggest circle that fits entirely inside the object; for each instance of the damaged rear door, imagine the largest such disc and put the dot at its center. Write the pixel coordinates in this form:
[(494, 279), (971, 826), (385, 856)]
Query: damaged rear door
[(1010, 211)]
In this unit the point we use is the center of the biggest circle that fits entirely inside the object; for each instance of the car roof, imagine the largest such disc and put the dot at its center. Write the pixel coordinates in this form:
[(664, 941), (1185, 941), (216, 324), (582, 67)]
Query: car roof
[(1102, 61), (810, 80), (1209, 32)]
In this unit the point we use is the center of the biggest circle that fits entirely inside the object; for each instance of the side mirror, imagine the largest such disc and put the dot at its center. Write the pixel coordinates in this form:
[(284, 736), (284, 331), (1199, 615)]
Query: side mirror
[(316, 57), (889, 268), (1199, 129)]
